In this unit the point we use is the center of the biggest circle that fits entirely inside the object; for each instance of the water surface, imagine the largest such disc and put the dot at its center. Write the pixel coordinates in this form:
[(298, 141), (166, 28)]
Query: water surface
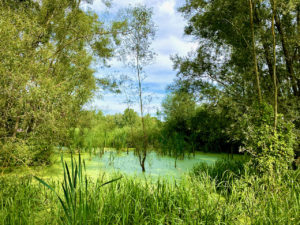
[(121, 162)]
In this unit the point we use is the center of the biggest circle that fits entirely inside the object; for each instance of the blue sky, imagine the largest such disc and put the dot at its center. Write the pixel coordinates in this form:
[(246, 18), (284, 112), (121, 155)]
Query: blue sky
[(169, 41)]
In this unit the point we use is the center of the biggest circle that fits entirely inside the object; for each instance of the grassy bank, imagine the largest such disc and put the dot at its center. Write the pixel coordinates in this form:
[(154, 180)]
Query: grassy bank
[(199, 198)]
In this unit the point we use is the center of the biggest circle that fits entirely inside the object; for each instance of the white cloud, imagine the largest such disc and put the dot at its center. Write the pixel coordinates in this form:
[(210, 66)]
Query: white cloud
[(171, 45), (162, 62), (167, 7), (110, 104)]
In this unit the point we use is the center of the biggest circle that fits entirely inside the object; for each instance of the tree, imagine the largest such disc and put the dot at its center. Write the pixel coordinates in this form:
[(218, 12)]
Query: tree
[(178, 110), (137, 54), (46, 51), (235, 40), (189, 127), (225, 33), (130, 118)]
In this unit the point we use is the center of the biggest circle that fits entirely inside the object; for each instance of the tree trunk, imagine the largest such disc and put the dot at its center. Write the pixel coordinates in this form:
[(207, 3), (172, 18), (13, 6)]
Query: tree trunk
[(142, 162), (266, 47), (16, 127), (143, 167), (286, 52), (254, 52), (273, 3), (131, 130)]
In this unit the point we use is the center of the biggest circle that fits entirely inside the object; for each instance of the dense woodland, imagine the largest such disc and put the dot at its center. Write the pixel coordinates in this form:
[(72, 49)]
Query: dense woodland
[(238, 92)]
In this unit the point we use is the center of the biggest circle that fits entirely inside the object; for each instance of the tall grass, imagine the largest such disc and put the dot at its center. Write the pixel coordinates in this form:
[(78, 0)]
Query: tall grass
[(195, 199), (75, 201), (223, 171)]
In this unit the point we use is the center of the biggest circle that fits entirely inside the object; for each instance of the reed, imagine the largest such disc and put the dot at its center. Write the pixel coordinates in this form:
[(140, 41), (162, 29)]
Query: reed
[(195, 199), (75, 201)]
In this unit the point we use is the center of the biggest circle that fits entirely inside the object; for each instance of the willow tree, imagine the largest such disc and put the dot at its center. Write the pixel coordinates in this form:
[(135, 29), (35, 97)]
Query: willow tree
[(137, 54), (46, 51)]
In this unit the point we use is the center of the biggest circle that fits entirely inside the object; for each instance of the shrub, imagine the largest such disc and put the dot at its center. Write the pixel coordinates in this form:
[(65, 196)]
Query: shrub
[(271, 149)]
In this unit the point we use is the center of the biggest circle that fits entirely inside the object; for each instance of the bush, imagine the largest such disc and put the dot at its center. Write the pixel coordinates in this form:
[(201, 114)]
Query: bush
[(15, 154), (20, 153), (271, 149)]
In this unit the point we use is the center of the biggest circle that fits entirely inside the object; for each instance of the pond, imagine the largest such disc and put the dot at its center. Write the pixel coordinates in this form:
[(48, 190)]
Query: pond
[(127, 163)]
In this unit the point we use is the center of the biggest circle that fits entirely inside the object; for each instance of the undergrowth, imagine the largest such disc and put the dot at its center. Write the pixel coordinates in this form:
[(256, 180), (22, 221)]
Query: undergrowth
[(198, 198)]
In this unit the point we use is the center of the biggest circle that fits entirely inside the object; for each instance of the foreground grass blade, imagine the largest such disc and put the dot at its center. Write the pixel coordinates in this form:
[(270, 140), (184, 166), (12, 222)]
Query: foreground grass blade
[(108, 182), (52, 189)]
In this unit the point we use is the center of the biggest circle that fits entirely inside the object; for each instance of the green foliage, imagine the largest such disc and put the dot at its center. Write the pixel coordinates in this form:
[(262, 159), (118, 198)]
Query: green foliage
[(18, 153), (224, 171), (271, 150), (130, 117), (220, 75), (191, 200), (225, 51), (120, 131), (75, 202), (46, 77), (178, 109), (136, 44), (190, 127)]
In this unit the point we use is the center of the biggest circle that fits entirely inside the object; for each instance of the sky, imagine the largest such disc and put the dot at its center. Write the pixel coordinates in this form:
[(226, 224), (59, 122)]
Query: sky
[(169, 40)]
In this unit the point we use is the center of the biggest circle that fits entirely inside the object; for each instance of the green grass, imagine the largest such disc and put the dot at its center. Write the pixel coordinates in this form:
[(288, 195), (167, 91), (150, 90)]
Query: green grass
[(224, 171), (196, 199)]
